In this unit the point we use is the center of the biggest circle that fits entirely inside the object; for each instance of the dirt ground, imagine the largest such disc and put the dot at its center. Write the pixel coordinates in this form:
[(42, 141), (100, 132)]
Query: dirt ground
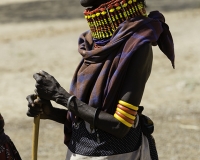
[(32, 43)]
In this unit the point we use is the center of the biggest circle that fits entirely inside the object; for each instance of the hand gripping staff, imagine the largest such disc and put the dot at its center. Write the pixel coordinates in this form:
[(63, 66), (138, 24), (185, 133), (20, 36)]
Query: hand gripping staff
[(36, 125)]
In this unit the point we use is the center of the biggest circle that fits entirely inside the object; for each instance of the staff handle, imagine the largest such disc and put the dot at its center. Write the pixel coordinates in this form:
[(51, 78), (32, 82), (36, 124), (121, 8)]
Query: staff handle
[(36, 125)]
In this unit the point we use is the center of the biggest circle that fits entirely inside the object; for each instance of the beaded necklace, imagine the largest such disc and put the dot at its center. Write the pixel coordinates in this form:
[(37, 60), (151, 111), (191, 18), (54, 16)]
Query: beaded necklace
[(105, 19)]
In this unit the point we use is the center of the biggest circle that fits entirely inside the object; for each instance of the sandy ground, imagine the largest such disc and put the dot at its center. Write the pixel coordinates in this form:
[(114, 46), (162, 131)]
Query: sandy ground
[(171, 97)]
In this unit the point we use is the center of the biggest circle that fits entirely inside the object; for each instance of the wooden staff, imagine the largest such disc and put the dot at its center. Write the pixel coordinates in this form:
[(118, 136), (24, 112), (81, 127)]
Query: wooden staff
[(36, 125)]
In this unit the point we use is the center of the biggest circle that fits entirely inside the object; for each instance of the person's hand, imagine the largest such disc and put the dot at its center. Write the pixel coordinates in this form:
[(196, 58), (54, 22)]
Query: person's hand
[(38, 106), (47, 87)]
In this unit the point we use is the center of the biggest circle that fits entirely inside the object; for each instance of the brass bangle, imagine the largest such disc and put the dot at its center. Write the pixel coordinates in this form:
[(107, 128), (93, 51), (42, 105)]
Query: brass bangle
[(127, 110), (128, 105), (122, 120), (126, 114), (124, 117)]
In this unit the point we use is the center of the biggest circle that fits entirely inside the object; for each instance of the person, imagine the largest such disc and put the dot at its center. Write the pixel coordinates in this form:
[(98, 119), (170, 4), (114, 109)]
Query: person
[(104, 119), (8, 150)]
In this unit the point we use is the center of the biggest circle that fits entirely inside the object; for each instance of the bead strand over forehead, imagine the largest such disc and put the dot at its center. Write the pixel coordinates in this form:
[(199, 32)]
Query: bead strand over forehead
[(105, 19)]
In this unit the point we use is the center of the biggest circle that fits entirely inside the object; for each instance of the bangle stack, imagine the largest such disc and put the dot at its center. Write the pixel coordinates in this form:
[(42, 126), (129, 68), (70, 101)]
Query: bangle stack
[(125, 113)]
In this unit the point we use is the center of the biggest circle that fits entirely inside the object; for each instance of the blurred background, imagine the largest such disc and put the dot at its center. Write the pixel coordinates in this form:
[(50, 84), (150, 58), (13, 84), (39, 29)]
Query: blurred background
[(43, 34)]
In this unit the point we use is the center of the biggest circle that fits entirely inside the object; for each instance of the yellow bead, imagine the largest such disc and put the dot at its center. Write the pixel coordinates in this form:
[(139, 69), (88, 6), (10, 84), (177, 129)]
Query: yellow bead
[(130, 2), (103, 13), (140, 6), (110, 33), (118, 8), (112, 10), (99, 22), (124, 5), (98, 35), (107, 35), (98, 14), (95, 34), (93, 15), (113, 18), (130, 11)]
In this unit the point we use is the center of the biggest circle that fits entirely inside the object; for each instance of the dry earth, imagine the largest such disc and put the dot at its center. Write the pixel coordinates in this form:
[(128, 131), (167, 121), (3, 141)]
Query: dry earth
[(27, 45)]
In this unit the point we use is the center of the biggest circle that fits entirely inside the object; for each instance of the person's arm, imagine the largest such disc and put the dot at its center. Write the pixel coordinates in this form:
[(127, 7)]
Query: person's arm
[(137, 75), (58, 115), (43, 107)]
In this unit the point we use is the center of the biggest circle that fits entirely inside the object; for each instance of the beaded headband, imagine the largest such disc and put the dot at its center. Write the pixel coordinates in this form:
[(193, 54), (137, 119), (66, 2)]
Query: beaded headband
[(105, 19)]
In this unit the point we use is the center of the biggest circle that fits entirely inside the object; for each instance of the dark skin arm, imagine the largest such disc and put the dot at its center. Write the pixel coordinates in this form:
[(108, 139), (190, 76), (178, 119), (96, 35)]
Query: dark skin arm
[(48, 88), (44, 107)]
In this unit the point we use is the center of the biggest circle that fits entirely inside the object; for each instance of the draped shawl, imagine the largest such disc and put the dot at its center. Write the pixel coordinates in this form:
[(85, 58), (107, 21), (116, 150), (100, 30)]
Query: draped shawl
[(100, 82)]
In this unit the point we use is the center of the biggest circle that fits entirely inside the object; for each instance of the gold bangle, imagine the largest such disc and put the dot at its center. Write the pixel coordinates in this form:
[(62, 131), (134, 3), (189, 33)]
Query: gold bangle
[(124, 117), (126, 114), (122, 120), (128, 105), (127, 110)]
